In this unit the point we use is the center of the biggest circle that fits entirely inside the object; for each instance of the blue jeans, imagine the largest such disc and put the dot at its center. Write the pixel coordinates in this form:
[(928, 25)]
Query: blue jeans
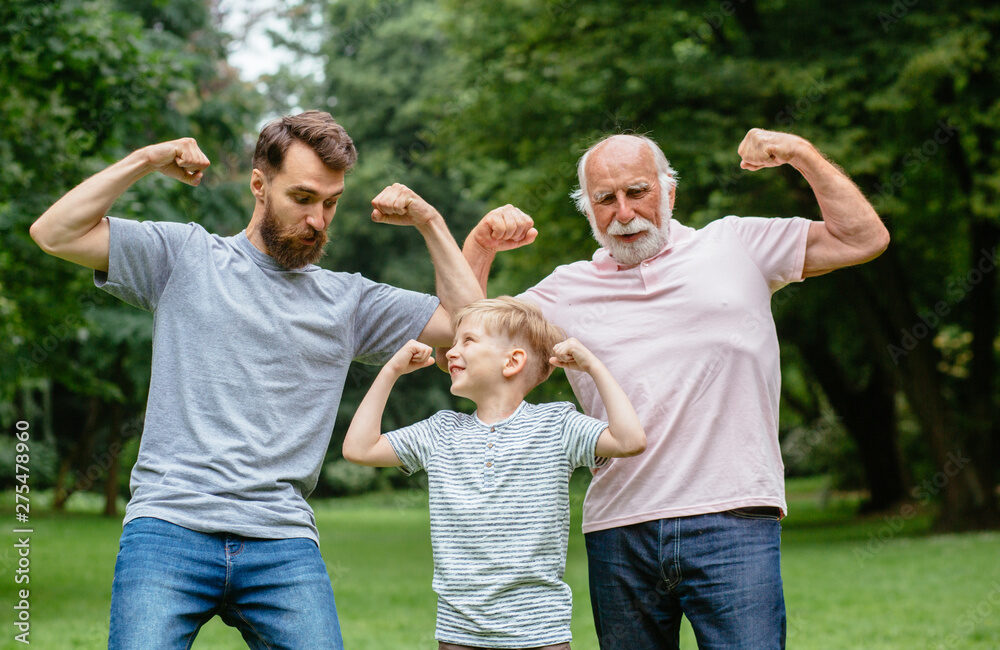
[(169, 581), (721, 570)]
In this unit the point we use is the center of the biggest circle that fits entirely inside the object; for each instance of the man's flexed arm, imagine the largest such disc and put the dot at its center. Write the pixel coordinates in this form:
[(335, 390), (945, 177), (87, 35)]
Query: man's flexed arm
[(74, 228), (455, 283), (501, 229), (851, 231)]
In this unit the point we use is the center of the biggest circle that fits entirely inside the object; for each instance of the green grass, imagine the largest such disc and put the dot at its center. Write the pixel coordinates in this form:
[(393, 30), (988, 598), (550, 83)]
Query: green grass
[(880, 582)]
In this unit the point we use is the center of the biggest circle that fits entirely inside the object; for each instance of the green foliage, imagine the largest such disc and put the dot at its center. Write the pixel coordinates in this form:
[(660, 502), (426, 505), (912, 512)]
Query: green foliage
[(85, 83)]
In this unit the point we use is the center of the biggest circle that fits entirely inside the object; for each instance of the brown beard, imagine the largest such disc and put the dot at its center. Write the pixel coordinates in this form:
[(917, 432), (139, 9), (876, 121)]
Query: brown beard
[(283, 243)]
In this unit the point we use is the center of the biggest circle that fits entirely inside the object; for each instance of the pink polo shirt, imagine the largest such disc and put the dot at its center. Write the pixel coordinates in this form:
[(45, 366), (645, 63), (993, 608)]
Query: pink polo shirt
[(690, 337)]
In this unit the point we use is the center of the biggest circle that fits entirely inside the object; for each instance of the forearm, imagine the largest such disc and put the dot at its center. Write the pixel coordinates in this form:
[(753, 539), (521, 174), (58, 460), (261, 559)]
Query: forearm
[(82, 208), (846, 212), (479, 260), (366, 426), (623, 421), (455, 282)]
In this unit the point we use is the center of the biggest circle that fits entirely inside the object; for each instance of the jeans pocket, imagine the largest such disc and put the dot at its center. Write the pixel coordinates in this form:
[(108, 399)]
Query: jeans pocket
[(756, 512)]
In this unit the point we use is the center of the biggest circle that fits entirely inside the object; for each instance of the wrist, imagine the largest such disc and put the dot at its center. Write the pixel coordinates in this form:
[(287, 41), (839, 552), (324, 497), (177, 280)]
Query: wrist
[(433, 225), (804, 154), (140, 161), (472, 249)]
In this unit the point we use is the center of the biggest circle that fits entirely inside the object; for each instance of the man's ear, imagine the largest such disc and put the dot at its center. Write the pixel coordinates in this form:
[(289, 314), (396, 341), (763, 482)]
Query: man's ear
[(517, 358), (673, 195), (258, 184)]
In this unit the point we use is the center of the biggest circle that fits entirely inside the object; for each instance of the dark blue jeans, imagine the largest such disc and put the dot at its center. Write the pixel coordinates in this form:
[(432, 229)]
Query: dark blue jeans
[(721, 570), (169, 581)]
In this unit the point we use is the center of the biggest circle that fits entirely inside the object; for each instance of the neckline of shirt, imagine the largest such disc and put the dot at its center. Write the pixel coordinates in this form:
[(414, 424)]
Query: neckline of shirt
[(262, 259), (502, 422)]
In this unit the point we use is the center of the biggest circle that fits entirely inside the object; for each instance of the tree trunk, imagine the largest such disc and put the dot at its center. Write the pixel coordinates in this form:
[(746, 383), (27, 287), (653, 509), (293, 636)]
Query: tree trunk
[(868, 414), (904, 344), (114, 451), (81, 450), (985, 238)]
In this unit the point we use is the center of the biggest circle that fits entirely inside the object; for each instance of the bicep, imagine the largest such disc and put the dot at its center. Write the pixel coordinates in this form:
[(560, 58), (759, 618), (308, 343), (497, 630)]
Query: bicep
[(607, 446), (91, 250), (438, 331), (825, 253), (382, 454)]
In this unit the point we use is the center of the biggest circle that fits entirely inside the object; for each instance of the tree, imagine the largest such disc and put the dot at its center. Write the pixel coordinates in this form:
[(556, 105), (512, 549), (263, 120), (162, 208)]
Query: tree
[(87, 82)]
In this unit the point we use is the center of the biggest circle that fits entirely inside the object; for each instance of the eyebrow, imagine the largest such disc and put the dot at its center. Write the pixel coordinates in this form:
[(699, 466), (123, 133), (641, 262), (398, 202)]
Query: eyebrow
[(305, 189), (601, 195)]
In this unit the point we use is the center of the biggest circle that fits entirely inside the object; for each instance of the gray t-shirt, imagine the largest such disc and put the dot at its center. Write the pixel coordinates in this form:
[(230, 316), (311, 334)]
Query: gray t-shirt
[(499, 503), (249, 362)]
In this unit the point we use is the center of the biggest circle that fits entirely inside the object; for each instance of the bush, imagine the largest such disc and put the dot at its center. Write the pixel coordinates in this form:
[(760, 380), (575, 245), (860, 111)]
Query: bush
[(343, 478)]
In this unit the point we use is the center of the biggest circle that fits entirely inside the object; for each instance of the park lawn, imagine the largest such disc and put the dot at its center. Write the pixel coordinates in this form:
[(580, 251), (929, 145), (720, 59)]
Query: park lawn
[(881, 582)]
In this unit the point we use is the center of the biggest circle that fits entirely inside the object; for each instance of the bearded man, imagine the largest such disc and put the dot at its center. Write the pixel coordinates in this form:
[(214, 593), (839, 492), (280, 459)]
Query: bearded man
[(251, 347), (682, 318)]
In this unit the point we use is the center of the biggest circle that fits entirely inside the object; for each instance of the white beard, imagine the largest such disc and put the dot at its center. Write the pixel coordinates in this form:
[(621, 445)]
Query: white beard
[(630, 254)]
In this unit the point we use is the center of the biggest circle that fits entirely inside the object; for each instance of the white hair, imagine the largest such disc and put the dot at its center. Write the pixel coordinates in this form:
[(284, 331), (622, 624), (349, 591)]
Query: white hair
[(665, 174)]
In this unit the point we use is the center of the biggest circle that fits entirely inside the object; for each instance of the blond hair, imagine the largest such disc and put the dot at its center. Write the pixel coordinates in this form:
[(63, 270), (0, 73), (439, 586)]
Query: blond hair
[(523, 323)]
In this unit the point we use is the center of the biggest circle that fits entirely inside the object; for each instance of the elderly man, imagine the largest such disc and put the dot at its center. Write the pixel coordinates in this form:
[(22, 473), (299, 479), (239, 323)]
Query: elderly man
[(682, 318), (251, 346)]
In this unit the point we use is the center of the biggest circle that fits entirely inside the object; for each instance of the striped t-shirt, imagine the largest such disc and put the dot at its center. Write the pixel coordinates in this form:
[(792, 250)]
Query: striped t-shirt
[(499, 506)]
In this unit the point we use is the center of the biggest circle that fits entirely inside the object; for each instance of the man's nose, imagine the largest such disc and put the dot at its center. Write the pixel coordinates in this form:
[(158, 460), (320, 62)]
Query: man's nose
[(624, 213), (315, 218)]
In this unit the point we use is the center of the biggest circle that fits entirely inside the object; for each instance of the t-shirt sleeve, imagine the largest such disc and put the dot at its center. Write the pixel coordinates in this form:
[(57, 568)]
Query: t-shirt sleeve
[(777, 246), (415, 444), (141, 257), (579, 438), (386, 318)]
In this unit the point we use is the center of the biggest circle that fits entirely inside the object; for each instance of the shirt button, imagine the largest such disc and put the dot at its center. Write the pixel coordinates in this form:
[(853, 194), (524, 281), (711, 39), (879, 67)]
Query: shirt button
[(489, 464), (490, 445), (493, 428)]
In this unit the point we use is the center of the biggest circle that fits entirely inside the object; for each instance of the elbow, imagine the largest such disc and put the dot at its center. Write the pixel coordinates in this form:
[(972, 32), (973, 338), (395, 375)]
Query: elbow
[(881, 242), (37, 234), (636, 448), (350, 454)]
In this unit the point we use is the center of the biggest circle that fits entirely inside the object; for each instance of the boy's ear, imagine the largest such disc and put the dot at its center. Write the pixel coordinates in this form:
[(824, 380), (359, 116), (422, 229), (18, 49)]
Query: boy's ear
[(517, 358)]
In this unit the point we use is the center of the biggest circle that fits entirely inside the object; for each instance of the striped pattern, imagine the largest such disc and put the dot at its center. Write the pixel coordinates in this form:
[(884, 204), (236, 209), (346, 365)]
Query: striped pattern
[(499, 506)]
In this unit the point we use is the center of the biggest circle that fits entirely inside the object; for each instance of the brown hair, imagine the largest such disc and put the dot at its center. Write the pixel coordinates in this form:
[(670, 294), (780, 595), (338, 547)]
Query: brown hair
[(316, 129), (523, 323)]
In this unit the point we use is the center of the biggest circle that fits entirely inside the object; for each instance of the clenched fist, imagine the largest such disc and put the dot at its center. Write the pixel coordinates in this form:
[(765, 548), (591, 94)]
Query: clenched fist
[(501, 229), (412, 356), (400, 206), (573, 355), (762, 148), (180, 159)]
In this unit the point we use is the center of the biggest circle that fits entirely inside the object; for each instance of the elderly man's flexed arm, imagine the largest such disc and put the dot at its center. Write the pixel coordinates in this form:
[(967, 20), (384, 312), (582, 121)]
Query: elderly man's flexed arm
[(851, 231), (501, 229), (74, 227)]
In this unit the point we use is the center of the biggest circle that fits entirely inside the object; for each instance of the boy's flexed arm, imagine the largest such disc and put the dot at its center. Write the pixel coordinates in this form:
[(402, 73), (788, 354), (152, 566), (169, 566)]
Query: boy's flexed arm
[(364, 443), (624, 435), (74, 228)]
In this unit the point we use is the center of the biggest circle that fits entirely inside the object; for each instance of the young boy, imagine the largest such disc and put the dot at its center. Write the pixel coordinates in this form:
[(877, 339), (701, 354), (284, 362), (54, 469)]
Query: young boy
[(499, 478)]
